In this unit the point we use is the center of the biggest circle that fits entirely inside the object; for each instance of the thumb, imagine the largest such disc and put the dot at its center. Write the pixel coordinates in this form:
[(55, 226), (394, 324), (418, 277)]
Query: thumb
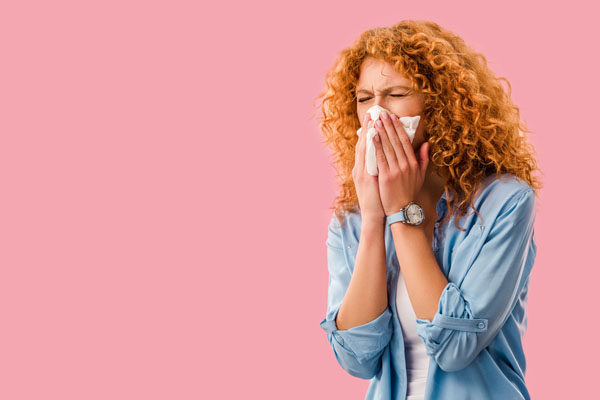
[(424, 157)]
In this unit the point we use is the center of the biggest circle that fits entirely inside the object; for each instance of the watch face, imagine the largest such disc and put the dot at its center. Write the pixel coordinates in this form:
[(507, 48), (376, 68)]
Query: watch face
[(414, 214)]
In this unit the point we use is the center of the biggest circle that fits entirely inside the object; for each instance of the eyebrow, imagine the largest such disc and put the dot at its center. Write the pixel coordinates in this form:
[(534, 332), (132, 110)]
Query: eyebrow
[(385, 89)]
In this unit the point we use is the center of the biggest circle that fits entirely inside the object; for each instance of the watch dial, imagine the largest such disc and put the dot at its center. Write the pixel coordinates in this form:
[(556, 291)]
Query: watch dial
[(414, 214)]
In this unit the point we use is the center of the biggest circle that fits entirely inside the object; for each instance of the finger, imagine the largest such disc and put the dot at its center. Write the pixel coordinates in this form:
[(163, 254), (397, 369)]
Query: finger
[(360, 145), (359, 141), (382, 163), (363, 144), (386, 144), (394, 137), (404, 142), (424, 158), (368, 141)]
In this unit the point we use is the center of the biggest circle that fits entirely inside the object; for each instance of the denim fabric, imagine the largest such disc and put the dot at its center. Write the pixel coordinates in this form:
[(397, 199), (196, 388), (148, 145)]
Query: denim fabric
[(475, 339)]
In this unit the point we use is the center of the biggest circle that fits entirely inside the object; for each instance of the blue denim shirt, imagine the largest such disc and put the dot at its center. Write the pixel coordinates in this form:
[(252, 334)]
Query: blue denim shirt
[(474, 341)]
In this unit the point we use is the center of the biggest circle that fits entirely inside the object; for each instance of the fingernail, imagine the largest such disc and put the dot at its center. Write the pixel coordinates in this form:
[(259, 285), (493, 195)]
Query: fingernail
[(379, 124), (384, 115)]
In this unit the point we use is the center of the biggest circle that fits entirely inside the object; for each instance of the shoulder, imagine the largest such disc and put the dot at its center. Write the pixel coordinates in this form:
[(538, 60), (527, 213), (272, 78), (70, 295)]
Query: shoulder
[(500, 195), (348, 221), (502, 190), (345, 226)]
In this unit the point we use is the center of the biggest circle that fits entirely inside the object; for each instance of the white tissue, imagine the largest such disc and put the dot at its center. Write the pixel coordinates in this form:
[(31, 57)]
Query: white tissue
[(410, 126)]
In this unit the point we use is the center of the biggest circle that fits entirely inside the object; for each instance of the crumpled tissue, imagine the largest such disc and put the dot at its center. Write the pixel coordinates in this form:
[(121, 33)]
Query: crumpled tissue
[(410, 126)]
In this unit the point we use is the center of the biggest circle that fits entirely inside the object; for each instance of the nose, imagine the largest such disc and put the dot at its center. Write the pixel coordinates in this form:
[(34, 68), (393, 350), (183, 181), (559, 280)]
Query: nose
[(381, 102)]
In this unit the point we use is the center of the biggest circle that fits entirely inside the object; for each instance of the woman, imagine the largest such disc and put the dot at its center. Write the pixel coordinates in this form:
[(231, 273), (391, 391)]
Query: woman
[(431, 308)]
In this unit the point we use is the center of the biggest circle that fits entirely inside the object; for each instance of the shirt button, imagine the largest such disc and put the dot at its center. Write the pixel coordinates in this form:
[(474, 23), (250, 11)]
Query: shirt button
[(480, 325), (349, 246)]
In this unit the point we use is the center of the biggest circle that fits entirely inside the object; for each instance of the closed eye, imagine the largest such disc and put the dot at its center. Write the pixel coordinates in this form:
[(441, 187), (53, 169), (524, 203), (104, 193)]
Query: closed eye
[(393, 95)]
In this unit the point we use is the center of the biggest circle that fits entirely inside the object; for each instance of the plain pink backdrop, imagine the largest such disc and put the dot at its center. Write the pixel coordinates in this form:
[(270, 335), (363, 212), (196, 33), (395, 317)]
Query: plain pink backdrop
[(165, 192)]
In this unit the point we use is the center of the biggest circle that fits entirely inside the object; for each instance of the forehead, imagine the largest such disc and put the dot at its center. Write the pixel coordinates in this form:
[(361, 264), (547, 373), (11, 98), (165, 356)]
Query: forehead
[(379, 73)]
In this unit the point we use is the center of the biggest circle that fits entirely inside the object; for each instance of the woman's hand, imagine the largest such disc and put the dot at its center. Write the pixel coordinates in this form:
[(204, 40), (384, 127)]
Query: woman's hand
[(401, 176), (367, 188)]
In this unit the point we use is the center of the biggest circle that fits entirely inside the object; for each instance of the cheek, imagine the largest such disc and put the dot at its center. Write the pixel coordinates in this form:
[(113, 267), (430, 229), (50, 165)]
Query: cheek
[(420, 133)]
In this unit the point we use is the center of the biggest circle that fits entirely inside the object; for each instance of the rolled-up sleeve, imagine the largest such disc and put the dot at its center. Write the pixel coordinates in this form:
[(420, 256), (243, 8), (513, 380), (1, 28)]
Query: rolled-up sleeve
[(358, 350), (470, 316)]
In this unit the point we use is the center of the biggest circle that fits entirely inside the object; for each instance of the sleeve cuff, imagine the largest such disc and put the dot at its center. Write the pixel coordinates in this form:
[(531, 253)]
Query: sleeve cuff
[(454, 314), (363, 341)]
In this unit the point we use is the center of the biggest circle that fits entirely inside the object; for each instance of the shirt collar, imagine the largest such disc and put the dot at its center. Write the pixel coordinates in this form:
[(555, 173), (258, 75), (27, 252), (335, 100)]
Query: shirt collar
[(441, 207)]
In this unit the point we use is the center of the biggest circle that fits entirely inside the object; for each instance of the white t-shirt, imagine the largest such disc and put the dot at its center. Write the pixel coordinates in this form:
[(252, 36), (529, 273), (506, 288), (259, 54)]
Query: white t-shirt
[(417, 359)]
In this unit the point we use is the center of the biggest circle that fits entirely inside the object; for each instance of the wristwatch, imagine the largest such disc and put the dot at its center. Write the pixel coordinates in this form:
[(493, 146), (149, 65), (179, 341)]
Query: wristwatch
[(411, 214)]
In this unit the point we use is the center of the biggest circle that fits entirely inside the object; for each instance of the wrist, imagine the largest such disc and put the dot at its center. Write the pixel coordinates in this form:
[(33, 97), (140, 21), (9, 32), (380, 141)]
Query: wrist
[(400, 227), (397, 207), (372, 221), (411, 214)]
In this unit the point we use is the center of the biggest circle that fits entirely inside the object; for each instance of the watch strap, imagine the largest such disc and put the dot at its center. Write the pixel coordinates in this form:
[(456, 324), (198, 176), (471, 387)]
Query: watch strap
[(397, 217)]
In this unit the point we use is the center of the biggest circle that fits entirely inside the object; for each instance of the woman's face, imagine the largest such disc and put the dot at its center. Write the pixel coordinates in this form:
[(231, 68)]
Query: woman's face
[(379, 84)]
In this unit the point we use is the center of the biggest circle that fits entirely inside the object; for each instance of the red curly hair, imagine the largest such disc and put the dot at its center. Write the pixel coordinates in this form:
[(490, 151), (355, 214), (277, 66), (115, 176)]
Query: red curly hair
[(474, 129)]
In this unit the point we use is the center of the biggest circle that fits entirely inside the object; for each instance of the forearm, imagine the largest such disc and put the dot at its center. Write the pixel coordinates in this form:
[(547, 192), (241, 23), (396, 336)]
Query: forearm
[(422, 275), (366, 296)]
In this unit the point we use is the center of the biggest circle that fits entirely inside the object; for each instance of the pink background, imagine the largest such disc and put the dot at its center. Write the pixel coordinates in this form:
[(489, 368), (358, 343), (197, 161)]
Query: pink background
[(165, 193)]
